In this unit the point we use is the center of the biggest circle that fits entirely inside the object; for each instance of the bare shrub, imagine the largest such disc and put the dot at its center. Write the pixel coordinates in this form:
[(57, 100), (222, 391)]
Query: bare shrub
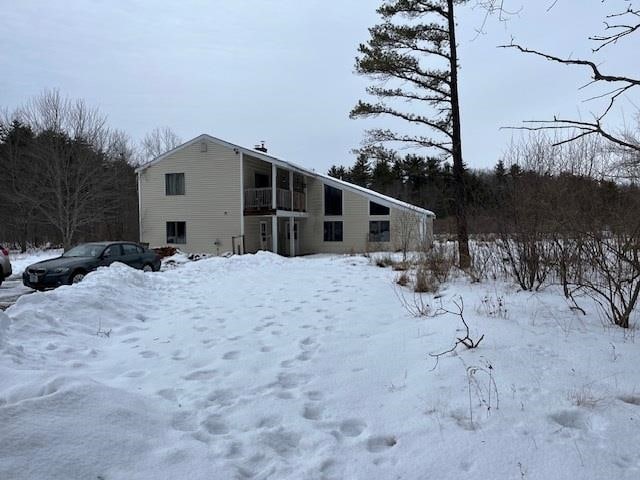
[(485, 261), (439, 261), (401, 266), (585, 397), (384, 261), (403, 279), (467, 341), (414, 304), (426, 281)]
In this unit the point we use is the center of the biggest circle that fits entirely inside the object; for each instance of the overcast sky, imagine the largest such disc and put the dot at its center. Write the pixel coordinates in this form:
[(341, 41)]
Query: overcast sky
[(282, 70)]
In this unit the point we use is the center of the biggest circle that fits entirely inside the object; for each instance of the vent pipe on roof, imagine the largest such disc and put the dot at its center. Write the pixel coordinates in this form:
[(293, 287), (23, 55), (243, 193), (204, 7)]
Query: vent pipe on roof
[(261, 147)]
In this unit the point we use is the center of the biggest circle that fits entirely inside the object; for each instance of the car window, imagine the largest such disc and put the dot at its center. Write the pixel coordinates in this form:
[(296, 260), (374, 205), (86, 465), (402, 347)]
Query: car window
[(85, 250), (129, 249), (112, 251), (140, 249)]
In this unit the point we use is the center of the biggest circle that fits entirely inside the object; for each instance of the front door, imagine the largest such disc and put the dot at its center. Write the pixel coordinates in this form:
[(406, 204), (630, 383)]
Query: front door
[(265, 238), (296, 240)]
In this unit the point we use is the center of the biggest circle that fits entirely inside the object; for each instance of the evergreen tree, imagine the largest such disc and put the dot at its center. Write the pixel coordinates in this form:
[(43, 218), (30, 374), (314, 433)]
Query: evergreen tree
[(382, 177), (413, 54), (499, 171), (338, 171), (360, 173)]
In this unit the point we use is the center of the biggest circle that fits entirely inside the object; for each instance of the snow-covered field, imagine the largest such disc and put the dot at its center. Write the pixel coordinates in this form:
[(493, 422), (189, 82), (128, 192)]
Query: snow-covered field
[(308, 368)]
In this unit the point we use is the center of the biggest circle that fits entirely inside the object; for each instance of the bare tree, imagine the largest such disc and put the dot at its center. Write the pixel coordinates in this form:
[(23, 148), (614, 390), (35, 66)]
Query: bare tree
[(618, 26), (405, 232), (60, 173), (160, 140)]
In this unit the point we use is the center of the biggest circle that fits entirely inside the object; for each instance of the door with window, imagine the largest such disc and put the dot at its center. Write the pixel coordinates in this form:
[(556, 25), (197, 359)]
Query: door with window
[(265, 237), (296, 238), (132, 255)]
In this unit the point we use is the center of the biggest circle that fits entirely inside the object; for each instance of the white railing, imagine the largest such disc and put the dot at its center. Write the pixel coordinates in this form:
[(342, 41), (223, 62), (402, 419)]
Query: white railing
[(284, 199), (260, 198), (298, 202), (257, 198)]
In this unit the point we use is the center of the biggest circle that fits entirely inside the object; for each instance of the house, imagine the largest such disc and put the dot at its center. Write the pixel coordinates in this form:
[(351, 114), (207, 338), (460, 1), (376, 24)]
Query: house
[(209, 195)]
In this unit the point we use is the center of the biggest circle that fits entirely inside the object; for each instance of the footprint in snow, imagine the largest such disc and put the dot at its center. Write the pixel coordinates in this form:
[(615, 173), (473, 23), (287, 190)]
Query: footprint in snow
[(232, 355), (215, 425), (381, 443), (315, 395), (201, 375), (353, 427), (630, 399), (148, 354), (570, 419), (312, 411)]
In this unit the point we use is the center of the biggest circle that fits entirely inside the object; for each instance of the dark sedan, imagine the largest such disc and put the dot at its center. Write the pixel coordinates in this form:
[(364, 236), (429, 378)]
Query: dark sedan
[(75, 263)]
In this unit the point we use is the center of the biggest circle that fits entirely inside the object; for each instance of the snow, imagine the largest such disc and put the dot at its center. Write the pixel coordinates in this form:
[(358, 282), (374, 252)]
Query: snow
[(308, 368)]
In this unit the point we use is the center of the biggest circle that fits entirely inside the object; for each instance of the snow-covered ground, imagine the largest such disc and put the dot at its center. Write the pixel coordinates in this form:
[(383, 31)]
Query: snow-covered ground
[(308, 368)]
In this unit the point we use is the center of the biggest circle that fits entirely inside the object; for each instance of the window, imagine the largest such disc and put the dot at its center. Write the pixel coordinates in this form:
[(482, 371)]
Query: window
[(262, 180), (203, 147), (112, 251), (176, 232), (377, 209), (129, 249), (332, 231), (174, 183), (332, 201), (379, 231)]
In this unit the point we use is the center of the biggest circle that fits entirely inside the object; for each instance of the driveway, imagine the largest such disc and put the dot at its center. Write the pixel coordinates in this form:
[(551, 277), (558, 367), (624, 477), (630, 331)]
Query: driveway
[(12, 289)]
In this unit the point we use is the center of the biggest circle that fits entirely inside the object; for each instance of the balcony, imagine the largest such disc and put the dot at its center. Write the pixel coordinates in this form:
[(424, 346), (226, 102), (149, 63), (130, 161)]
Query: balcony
[(259, 200)]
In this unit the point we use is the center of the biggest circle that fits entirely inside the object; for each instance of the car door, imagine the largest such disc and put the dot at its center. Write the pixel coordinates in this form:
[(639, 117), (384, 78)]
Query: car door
[(113, 253), (131, 255)]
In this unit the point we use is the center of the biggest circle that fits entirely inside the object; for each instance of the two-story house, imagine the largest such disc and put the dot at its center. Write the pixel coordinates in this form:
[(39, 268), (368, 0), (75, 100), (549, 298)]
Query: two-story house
[(209, 195)]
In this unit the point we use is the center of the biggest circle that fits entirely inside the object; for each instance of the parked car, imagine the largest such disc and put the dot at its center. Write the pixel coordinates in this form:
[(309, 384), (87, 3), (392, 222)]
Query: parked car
[(5, 264), (75, 263)]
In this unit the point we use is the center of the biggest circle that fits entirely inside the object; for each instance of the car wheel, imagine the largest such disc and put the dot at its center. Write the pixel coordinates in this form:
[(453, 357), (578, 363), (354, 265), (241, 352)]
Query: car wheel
[(77, 277), (147, 268), (1, 277)]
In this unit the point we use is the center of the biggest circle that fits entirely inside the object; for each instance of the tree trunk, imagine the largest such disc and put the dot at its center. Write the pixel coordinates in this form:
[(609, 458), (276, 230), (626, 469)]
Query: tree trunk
[(458, 165)]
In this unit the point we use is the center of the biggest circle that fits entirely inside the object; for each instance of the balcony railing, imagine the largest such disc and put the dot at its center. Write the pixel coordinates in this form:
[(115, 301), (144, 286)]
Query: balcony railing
[(260, 199)]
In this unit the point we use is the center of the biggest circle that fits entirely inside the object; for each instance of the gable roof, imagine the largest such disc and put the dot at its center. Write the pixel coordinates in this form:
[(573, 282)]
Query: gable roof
[(336, 182)]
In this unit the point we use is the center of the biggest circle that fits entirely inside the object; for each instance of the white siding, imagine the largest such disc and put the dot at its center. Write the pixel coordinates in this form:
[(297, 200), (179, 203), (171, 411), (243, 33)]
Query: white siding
[(210, 206), (355, 218)]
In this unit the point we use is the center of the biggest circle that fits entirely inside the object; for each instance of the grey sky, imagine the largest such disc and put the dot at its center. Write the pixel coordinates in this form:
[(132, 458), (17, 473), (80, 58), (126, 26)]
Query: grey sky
[(282, 70)]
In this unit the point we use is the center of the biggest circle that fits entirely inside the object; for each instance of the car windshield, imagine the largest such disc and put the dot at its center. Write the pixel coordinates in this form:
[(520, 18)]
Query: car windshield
[(86, 250)]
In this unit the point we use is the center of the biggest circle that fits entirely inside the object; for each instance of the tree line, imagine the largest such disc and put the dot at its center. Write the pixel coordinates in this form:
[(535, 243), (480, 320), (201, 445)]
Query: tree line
[(66, 176), (533, 163)]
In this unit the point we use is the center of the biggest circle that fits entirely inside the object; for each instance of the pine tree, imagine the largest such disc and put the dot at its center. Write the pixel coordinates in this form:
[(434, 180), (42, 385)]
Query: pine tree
[(412, 35), (360, 173), (338, 171)]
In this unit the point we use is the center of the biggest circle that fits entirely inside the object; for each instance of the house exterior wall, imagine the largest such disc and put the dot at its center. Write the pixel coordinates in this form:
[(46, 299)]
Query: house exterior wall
[(211, 206), (355, 218)]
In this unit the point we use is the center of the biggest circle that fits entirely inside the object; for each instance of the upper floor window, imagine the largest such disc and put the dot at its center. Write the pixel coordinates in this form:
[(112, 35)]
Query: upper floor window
[(377, 209), (332, 200), (174, 183)]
